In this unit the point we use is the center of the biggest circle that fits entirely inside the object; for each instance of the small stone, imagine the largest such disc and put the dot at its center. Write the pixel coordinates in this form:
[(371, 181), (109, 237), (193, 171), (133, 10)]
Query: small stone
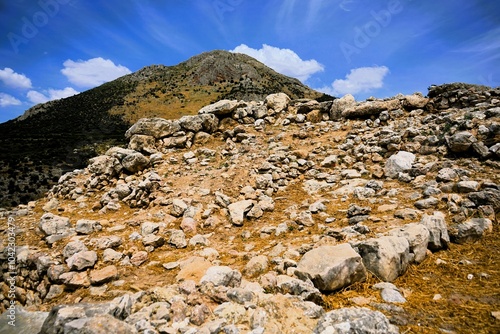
[(104, 275), (139, 258), (392, 296), (82, 260)]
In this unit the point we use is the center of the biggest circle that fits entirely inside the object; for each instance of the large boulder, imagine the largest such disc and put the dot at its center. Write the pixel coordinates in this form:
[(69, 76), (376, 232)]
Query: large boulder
[(489, 196), (339, 105), (89, 318), (222, 107), (387, 257), (143, 143), (278, 102), (51, 224), (191, 123), (460, 141), (209, 123), (25, 322), (82, 260), (418, 237), (399, 162), (297, 287), (155, 127), (354, 321), (331, 268), (371, 108), (100, 324), (135, 162), (470, 230), (222, 276), (438, 231), (415, 101), (104, 165)]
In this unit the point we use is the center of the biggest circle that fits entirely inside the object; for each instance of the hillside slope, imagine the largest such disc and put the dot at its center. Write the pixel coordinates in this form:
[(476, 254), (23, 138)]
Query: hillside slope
[(274, 216), (61, 135)]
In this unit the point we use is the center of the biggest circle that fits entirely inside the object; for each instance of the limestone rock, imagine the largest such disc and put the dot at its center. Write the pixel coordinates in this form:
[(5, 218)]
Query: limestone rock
[(26, 322), (177, 239), (238, 210), (387, 257), (471, 230), (222, 276), (86, 226), (297, 287), (155, 127), (355, 320), (142, 143), (278, 102), (82, 260), (103, 275), (104, 165), (418, 237), (415, 101), (398, 163), (99, 324), (51, 224), (139, 258), (256, 266), (370, 108), (74, 247), (460, 141), (340, 105), (221, 108), (426, 203), (331, 267), (488, 196), (135, 162), (438, 230)]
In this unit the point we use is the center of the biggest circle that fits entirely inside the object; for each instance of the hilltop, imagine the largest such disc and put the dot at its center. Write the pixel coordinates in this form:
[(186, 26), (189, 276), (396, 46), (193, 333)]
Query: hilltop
[(61, 135), (274, 216)]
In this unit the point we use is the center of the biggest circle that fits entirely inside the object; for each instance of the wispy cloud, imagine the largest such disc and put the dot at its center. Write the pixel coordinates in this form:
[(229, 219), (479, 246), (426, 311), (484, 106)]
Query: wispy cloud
[(359, 80), (92, 72), (284, 61), (488, 42), (8, 100), (13, 79), (49, 95)]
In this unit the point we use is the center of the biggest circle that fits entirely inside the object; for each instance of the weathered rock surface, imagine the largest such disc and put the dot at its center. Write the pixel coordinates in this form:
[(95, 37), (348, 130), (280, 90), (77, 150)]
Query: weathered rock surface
[(438, 230), (386, 257), (355, 320), (331, 268)]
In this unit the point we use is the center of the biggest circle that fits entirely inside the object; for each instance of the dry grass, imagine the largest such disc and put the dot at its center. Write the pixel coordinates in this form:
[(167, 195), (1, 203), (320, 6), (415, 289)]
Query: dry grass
[(466, 304)]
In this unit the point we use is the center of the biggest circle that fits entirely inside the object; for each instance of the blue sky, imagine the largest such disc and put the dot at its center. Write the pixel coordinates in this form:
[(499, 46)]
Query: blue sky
[(51, 49)]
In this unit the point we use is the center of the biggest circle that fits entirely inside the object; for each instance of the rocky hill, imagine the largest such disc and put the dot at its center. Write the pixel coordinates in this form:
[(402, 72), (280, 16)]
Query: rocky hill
[(273, 216), (59, 136)]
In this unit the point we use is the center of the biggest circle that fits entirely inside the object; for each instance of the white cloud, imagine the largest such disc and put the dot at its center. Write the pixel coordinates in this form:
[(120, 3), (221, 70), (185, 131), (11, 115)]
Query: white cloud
[(13, 79), (51, 94), (92, 72), (8, 100), (359, 80), (284, 61)]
